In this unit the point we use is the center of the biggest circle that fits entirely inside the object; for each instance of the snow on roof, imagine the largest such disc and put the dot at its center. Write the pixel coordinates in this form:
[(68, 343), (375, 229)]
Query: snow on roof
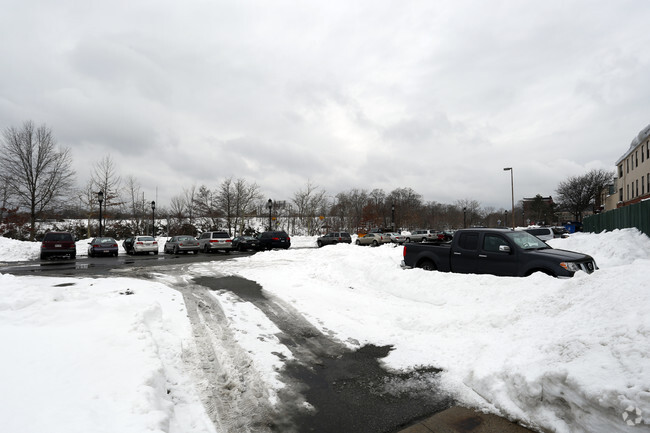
[(641, 136)]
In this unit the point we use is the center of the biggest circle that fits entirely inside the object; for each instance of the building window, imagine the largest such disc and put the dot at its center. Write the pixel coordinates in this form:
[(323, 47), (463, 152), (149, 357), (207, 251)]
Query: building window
[(628, 192), (620, 194), (636, 158), (642, 154), (642, 185), (620, 171), (648, 179), (627, 165), (637, 187)]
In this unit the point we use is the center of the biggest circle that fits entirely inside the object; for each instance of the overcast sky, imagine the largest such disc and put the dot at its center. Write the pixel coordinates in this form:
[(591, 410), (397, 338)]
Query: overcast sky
[(438, 96)]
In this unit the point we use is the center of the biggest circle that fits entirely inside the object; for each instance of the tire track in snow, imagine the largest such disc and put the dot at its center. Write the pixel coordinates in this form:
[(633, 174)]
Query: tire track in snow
[(330, 387)]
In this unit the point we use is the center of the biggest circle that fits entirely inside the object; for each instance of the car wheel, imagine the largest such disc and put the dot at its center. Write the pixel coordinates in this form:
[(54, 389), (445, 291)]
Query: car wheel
[(176, 250), (319, 243), (43, 257), (408, 239), (115, 254), (73, 256), (427, 265), (357, 242), (155, 253), (375, 243), (206, 249), (91, 254)]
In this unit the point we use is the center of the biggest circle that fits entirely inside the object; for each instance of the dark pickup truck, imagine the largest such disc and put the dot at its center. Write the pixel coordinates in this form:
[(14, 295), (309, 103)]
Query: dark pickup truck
[(496, 251)]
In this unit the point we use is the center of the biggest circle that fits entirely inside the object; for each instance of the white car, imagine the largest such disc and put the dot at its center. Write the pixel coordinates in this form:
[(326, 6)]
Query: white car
[(215, 241), (140, 245)]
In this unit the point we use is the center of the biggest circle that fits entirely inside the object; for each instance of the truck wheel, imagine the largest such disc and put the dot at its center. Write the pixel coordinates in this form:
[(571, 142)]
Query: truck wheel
[(427, 265)]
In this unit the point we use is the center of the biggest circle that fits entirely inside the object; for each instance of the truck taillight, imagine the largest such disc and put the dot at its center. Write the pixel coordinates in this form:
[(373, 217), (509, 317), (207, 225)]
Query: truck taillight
[(404, 251)]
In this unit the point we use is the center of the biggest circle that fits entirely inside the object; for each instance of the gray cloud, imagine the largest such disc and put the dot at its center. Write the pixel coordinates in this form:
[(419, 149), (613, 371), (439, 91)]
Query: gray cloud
[(437, 96)]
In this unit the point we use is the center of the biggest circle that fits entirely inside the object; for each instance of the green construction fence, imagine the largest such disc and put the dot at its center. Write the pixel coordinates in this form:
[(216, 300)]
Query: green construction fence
[(635, 215)]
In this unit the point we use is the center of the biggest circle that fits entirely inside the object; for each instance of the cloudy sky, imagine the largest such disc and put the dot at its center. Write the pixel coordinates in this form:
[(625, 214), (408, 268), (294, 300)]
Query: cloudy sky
[(438, 96)]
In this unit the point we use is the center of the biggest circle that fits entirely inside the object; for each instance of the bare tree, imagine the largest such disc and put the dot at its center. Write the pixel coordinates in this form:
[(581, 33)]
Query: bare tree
[(207, 207), (310, 204), (579, 193), (104, 178), (190, 199), (135, 204), (36, 171), (88, 198), (246, 197)]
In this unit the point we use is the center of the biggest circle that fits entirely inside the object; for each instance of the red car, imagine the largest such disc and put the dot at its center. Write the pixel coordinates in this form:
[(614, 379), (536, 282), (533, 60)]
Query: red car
[(58, 244)]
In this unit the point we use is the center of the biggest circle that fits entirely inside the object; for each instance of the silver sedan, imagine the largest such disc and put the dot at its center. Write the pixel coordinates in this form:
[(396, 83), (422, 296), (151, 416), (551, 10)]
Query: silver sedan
[(181, 244)]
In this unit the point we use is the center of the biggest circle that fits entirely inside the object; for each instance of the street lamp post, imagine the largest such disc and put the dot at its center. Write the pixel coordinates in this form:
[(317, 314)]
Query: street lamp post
[(392, 210), (100, 198), (153, 218), (512, 189), (269, 204), (464, 217)]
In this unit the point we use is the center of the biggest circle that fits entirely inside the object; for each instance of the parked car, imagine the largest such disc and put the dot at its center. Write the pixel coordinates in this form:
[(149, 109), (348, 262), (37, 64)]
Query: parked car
[(102, 247), (140, 245), (181, 244), (244, 243), (215, 241), (274, 239), (334, 238), (542, 233), (500, 252), (373, 239), (58, 244), (422, 235), (395, 238)]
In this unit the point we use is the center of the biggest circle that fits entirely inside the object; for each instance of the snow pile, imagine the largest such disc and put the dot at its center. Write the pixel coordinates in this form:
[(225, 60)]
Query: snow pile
[(12, 250), (83, 355), (562, 355)]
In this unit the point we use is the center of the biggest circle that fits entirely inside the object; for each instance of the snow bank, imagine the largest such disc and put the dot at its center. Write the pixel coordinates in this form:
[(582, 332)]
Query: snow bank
[(82, 355), (561, 355)]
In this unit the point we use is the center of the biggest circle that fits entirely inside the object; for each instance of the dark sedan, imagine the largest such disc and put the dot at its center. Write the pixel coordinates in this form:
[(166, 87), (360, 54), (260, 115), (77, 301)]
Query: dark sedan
[(102, 247), (182, 244), (274, 239), (244, 243)]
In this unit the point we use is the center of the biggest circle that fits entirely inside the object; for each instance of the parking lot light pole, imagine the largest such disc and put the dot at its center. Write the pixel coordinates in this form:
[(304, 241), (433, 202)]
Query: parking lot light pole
[(100, 198), (153, 219), (392, 209), (269, 204), (512, 189), (464, 217)]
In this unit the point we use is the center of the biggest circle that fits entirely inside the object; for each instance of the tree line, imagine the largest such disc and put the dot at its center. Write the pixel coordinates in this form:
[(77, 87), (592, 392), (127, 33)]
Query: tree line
[(38, 183)]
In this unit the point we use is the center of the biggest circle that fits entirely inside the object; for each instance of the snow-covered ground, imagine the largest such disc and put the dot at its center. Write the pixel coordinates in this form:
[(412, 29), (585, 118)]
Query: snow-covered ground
[(82, 355)]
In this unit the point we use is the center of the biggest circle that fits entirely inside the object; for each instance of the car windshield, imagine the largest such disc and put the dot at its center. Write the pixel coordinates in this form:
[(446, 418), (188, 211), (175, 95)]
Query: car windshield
[(185, 238), (105, 240), (57, 237), (145, 238), (526, 241), (220, 235)]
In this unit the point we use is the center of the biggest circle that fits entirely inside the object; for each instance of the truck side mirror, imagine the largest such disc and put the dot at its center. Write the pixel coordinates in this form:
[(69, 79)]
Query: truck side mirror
[(504, 249)]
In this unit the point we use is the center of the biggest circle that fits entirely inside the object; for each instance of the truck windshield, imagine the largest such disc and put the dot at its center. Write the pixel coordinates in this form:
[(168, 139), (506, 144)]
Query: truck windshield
[(526, 241)]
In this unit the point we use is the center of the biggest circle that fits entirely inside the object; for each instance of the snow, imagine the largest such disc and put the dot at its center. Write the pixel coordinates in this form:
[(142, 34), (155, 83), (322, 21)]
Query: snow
[(565, 355)]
